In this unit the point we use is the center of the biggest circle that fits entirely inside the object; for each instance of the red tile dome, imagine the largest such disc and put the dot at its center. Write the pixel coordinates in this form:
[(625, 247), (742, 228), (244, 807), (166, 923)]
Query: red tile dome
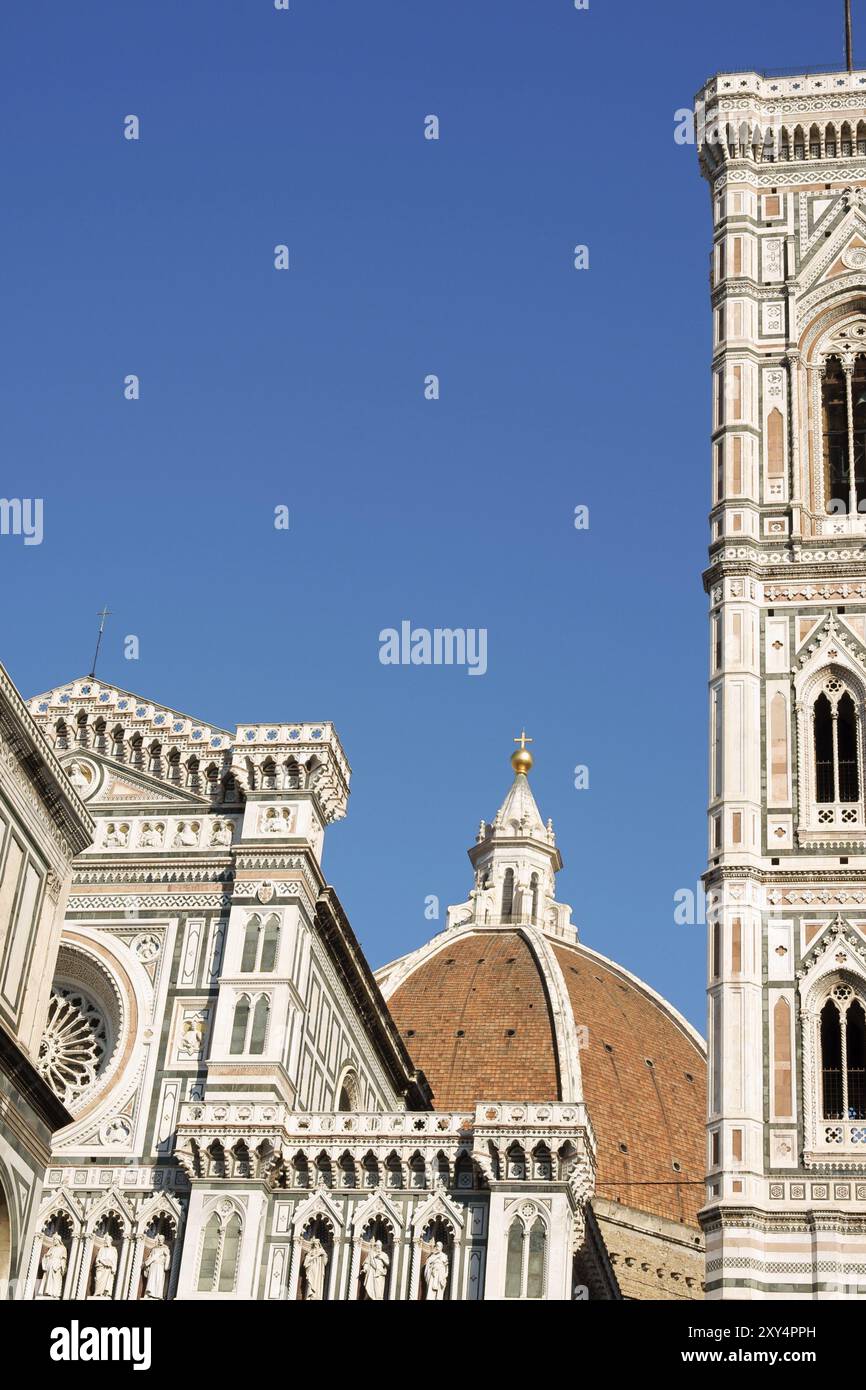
[(474, 1009)]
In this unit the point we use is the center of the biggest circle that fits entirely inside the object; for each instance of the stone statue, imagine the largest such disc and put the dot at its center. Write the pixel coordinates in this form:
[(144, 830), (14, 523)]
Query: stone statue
[(275, 823), (436, 1272), (186, 834), (151, 836), (192, 1036), (54, 1268), (375, 1272), (116, 836), (222, 833), (315, 1264), (156, 1267), (78, 778), (104, 1268)]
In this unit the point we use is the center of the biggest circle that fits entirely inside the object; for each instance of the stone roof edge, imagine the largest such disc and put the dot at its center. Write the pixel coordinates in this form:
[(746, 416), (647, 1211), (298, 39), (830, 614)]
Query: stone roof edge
[(132, 695), (648, 1223), (339, 939), (64, 803)]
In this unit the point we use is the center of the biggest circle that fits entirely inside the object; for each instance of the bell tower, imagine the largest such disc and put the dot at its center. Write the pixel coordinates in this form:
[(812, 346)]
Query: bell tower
[(785, 160)]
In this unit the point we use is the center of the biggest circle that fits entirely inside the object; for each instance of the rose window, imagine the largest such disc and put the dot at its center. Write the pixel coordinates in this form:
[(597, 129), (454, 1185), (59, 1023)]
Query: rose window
[(75, 1044)]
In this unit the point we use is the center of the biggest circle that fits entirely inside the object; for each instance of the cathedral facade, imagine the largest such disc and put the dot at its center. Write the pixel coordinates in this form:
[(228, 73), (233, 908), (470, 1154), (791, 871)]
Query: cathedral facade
[(785, 159), (43, 825), (252, 1113)]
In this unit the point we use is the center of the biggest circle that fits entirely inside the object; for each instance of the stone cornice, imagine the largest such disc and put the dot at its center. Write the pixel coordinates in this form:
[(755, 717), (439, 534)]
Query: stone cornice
[(349, 961), (717, 1218), (31, 756), (29, 1087)]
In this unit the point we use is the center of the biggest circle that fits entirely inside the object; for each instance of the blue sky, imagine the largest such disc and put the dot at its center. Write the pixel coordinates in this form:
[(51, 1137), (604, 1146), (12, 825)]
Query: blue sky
[(306, 388)]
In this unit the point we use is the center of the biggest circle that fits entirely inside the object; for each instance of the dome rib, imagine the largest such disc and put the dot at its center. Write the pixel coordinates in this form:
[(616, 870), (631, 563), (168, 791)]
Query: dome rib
[(642, 1067)]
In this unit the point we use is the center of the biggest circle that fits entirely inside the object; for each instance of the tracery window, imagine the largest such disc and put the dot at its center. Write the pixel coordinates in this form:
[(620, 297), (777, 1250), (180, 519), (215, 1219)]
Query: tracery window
[(836, 751), (526, 1258), (843, 428), (843, 1058)]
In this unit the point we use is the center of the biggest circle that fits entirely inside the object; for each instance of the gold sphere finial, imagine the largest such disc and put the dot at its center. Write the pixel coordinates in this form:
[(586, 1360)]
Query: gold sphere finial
[(521, 760)]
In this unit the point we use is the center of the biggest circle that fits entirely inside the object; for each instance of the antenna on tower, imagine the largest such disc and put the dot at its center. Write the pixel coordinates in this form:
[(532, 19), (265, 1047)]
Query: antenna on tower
[(101, 616), (849, 42)]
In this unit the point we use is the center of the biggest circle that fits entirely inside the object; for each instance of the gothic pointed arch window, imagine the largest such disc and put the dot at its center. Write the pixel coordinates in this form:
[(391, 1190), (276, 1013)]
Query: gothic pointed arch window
[(837, 751), (229, 1258), (834, 429), (348, 1097), (835, 352), (858, 421), (250, 952), (259, 1031), (261, 943), (240, 1025), (218, 1263), (270, 943), (526, 1256), (209, 1254), (843, 1058)]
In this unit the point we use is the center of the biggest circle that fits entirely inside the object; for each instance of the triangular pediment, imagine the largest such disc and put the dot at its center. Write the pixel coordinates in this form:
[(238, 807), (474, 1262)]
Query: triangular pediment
[(112, 1203), (439, 1203), (101, 782), (831, 642), (377, 1204), (839, 947), (160, 1204), (319, 1203), (839, 248)]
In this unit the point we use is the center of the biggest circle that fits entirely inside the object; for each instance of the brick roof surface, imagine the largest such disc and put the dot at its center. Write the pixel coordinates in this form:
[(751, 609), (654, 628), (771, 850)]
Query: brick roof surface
[(655, 1111), (456, 1012)]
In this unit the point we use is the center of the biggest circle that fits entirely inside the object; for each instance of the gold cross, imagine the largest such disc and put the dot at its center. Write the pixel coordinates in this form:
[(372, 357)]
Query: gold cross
[(523, 740)]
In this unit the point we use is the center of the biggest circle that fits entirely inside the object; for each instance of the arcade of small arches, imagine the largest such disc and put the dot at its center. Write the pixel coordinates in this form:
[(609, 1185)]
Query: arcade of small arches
[(775, 143), (217, 780)]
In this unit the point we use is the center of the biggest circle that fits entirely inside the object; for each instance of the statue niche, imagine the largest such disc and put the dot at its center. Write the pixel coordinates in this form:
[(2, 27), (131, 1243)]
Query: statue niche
[(377, 1249), (316, 1255), (437, 1258), (156, 1261), (107, 1243), (56, 1243)]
